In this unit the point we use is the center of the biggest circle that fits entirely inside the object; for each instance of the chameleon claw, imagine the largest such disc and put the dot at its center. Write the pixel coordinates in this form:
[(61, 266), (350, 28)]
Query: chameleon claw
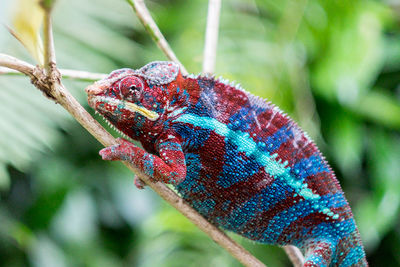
[(138, 182), (109, 153), (121, 140), (119, 151)]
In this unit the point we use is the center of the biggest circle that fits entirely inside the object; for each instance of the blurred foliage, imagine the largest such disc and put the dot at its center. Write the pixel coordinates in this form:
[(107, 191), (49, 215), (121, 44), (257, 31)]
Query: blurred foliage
[(333, 65), (27, 19)]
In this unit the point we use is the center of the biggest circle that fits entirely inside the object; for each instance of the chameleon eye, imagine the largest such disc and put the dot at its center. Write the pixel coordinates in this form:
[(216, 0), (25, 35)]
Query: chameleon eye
[(130, 88), (133, 88)]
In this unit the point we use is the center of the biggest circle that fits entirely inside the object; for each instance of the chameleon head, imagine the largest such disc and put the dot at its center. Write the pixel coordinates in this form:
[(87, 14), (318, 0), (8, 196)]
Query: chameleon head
[(133, 99)]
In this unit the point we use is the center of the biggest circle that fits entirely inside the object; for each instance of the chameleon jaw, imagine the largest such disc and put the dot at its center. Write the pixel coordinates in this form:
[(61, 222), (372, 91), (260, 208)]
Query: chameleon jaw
[(149, 114)]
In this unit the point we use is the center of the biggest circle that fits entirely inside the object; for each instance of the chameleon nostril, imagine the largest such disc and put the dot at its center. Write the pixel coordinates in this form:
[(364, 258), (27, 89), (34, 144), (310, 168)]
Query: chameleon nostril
[(88, 89), (94, 89)]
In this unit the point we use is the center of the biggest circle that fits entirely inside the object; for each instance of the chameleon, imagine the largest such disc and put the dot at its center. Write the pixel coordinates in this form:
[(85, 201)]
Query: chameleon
[(236, 158)]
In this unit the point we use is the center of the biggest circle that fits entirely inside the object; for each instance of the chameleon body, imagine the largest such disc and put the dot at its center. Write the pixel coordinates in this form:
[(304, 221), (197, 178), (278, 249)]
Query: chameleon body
[(237, 159)]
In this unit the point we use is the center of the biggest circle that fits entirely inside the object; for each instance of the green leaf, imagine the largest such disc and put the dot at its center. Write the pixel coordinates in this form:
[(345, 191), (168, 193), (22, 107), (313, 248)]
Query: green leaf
[(380, 108)]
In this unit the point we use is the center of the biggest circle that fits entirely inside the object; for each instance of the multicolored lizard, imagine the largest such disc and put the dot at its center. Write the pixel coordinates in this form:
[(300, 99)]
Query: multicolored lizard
[(237, 159)]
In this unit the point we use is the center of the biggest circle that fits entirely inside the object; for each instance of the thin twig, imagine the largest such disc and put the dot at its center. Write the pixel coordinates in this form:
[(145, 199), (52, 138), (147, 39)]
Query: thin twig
[(16, 64), (52, 74), (7, 71), (304, 101), (151, 27), (82, 75), (49, 52), (66, 73), (211, 40)]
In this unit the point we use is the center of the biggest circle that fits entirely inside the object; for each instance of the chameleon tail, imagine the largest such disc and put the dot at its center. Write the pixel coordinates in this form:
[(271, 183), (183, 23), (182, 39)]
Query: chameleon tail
[(347, 252), (350, 251)]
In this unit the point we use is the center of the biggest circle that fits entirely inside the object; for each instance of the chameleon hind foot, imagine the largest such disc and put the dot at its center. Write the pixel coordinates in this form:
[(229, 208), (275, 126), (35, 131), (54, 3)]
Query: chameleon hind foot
[(318, 254), (138, 182)]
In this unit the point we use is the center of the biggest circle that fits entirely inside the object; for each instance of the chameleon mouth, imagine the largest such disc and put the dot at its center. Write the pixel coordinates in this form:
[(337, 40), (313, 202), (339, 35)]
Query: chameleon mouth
[(113, 127), (120, 104)]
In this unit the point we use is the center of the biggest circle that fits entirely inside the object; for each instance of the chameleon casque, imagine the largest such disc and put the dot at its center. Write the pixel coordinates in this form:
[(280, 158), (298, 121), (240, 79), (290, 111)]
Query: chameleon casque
[(236, 158)]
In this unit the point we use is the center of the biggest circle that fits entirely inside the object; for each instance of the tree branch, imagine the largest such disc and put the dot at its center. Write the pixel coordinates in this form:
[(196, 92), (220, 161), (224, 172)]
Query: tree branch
[(65, 99), (82, 75), (211, 40), (151, 27), (295, 255), (16, 64)]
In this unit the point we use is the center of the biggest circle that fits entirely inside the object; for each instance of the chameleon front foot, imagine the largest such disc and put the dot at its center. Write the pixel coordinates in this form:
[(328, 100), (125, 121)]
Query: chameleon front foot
[(151, 165), (122, 151)]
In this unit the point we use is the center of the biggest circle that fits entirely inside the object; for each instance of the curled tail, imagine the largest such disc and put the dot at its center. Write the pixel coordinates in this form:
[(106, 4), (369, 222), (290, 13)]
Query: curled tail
[(347, 251)]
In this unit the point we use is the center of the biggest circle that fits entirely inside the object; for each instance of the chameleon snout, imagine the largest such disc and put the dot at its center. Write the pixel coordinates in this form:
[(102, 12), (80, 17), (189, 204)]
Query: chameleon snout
[(95, 89)]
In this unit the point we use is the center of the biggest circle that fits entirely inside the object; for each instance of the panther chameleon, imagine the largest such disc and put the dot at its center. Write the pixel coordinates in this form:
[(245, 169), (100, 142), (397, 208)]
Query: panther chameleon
[(234, 157)]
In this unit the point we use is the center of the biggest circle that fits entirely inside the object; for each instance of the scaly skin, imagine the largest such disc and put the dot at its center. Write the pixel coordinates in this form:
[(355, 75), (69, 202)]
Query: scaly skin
[(237, 159)]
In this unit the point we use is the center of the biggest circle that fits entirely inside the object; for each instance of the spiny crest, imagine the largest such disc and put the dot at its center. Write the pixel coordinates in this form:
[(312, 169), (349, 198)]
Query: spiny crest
[(260, 102), (256, 101)]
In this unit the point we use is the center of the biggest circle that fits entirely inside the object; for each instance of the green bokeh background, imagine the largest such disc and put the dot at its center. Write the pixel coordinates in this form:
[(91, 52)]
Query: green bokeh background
[(334, 66)]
